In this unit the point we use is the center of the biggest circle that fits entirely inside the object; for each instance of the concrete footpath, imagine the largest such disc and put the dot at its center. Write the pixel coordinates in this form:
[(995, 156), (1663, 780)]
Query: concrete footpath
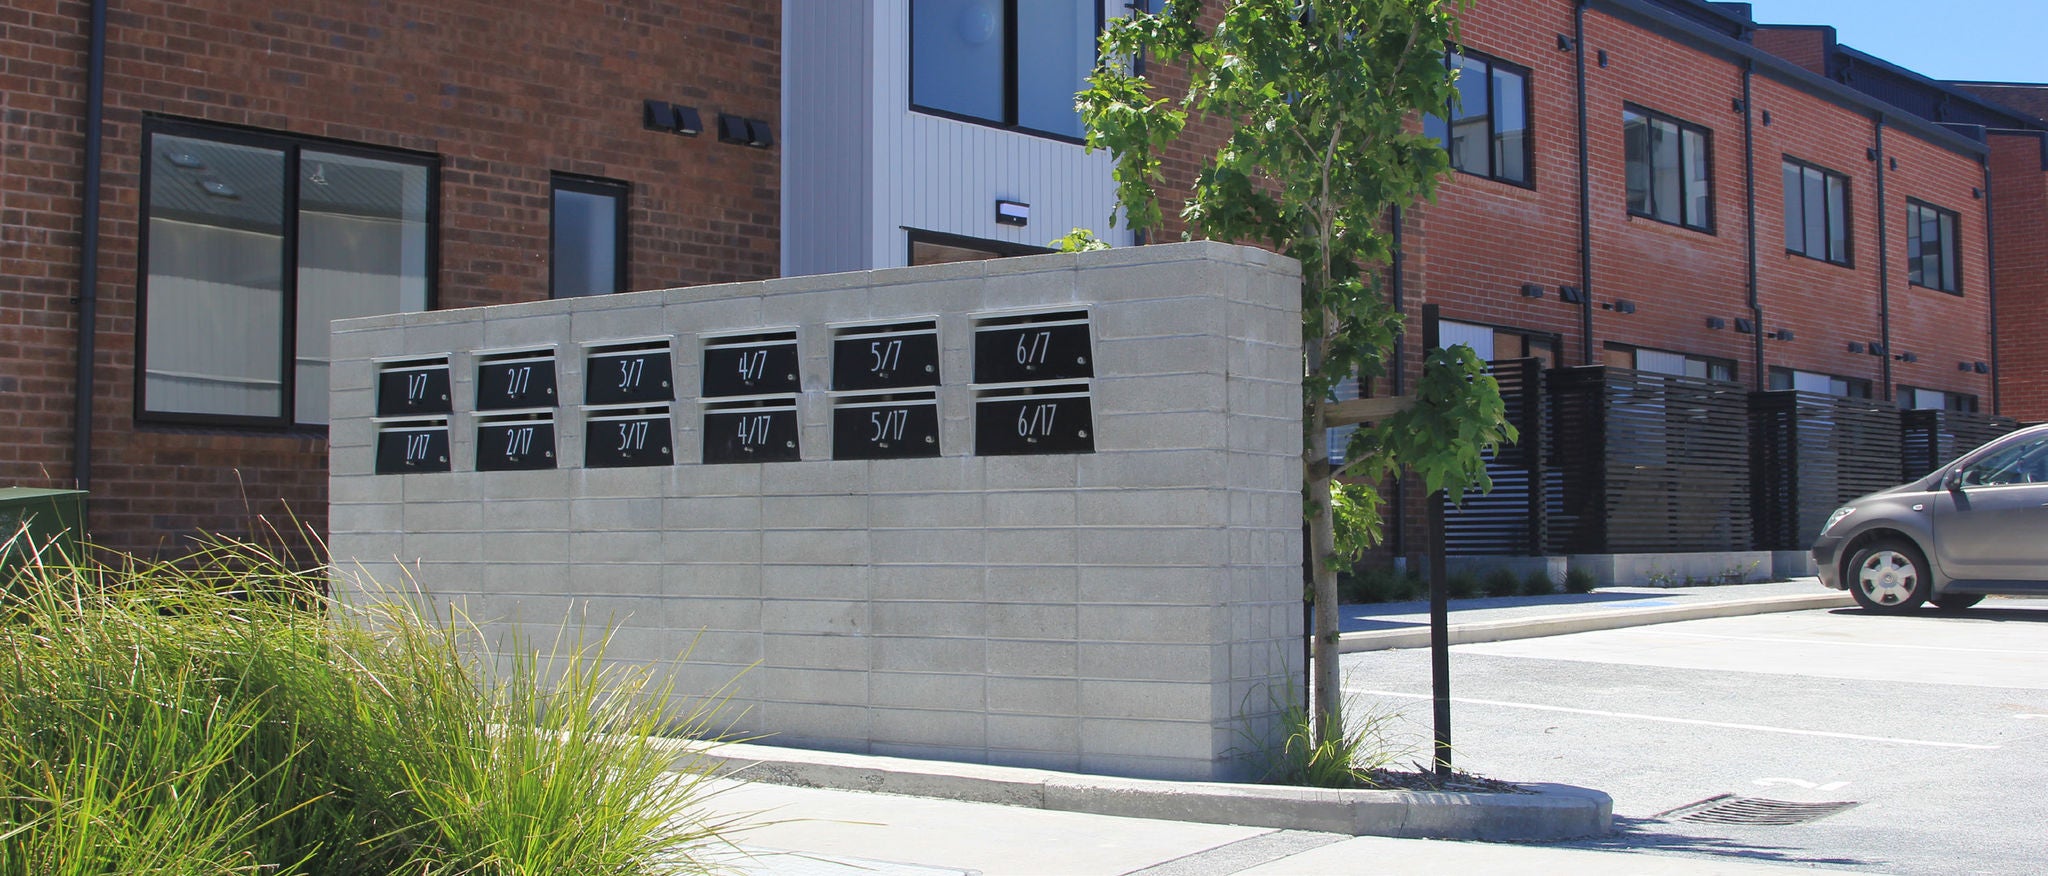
[(824, 814)]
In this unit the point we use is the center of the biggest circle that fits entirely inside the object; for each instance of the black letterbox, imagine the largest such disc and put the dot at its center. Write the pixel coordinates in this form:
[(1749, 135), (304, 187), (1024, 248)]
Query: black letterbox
[(621, 442), (403, 450), (515, 445), (1032, 352), (751, 369), (628, 377), (886, 430), (407, 391), (885, 361), (516, 383), (750, 435), (1029, 424)]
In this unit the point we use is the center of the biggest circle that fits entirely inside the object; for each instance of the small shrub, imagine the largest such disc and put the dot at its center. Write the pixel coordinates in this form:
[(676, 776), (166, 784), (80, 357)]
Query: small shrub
[(1501, 581), (211, 716), (1346, 760), (1578, 581), (1461, 585), (1538, 583), (1378, 584)]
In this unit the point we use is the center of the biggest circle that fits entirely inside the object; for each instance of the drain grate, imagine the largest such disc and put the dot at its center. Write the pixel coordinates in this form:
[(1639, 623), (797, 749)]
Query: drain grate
[(1730, 809)]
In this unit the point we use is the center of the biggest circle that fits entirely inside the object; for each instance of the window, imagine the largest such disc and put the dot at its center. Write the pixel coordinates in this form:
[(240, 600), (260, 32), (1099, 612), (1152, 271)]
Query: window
[(1931, 247), (1664, 362), (588, 237), (253, 244), (985, 61), (2022, 463), (1826, 384), (1816, 212), (1488, 132), (1667, 171), (1497, 344), (1915, 399)]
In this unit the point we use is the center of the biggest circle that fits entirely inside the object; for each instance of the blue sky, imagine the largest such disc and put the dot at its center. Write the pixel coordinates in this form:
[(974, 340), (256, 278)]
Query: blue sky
[(1995, 40)]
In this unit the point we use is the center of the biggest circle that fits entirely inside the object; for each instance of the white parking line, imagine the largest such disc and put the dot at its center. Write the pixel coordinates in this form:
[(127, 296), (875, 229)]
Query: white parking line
[(1694, 721)]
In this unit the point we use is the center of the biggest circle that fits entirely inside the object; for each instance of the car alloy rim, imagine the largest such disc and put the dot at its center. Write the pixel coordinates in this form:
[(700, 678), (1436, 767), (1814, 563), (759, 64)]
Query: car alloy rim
[(1887, 577)]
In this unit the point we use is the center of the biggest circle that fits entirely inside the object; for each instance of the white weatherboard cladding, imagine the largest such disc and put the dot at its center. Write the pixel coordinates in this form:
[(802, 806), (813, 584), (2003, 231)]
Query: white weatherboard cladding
[(1135, 610), (921, 171)]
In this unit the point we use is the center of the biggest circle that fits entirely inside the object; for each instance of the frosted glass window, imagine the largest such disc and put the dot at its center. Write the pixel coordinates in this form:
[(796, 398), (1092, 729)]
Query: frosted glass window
[(254, 245)]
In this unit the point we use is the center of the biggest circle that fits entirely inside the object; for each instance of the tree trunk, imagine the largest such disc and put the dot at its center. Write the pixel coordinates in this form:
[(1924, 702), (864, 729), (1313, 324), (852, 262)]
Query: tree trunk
[(1327, 692)]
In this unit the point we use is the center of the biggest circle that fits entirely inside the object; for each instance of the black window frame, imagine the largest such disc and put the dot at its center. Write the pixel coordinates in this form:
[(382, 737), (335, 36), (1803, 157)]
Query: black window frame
[(1847, 219), (1952, 248), (1706, 136), (1492, 132), (292, 145), (621, 193), (1009, 121), (1952, 401), (1709, 362), (1852, 387)]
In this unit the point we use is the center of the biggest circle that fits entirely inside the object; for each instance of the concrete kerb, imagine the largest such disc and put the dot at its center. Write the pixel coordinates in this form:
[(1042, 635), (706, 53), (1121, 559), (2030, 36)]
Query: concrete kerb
[(1549, 812), (1582, 622)]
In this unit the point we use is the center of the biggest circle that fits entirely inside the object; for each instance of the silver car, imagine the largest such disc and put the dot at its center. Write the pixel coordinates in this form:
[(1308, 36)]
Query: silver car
[(1976, 526)]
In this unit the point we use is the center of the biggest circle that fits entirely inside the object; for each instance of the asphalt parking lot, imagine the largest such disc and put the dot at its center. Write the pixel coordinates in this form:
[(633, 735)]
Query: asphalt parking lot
[(1932, 728)]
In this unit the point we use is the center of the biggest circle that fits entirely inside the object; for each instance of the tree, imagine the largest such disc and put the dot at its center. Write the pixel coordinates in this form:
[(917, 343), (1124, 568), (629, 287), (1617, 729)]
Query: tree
[(1322, 98)]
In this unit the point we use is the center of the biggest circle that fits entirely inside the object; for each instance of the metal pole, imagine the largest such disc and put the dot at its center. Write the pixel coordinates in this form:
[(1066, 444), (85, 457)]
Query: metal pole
[(1439, 595)]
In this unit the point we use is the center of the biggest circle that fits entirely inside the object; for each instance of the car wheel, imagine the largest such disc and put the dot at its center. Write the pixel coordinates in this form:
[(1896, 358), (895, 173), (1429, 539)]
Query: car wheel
[(1956, 601), (1888, 576)]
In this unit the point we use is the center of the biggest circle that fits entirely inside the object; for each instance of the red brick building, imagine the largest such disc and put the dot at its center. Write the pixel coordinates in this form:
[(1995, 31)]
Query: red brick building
[(1659, 184), (261, 168)]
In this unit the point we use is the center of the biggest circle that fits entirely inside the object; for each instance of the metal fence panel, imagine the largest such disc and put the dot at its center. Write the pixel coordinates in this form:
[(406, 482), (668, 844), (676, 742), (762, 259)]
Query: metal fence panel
[(1811, 452), (1508, 520)]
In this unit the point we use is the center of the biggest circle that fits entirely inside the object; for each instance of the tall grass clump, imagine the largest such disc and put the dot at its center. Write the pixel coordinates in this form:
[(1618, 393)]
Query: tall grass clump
[(215, 715)]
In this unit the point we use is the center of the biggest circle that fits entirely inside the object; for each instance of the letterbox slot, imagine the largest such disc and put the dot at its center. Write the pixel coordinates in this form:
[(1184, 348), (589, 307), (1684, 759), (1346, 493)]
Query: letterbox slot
[(1033, 347), (751, 431), (626, 437), (410, 387), (515, 442), (1034, 420), (412, 446), (895, 426), (895, 355), (521, 380), (629, 372), (755, 364)]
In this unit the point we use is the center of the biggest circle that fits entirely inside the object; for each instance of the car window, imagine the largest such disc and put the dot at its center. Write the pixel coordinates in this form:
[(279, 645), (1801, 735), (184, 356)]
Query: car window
[(2023, 463)]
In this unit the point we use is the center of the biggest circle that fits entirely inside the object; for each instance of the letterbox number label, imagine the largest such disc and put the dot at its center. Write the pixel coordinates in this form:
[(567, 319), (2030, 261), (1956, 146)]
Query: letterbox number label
[(409, 451), (515, 446), (885, 361), (1033, 424), (764, 369), (502, 385), (413, 391), (886, 431), (624, 443), (750, 436), (1015, 354), (627, 378)]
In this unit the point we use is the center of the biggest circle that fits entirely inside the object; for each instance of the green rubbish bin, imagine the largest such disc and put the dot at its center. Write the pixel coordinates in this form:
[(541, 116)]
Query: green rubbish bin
[(33, 520)]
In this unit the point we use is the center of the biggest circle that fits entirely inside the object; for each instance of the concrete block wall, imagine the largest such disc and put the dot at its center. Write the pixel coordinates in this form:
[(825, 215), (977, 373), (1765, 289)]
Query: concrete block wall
[(1131, 611)]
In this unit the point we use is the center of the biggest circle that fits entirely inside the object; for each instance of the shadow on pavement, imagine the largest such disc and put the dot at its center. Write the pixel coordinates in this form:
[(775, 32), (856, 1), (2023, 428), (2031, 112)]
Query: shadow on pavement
[(2000, 615), (1363, 617), (1651, 835)]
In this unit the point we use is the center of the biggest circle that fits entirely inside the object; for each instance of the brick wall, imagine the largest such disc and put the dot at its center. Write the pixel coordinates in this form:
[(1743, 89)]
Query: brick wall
[(2019, 192), (502, 96)]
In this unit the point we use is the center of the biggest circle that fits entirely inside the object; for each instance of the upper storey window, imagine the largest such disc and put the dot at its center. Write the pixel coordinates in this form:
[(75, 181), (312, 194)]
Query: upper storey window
[(1010, 63), (1488, 129), (1668, 178), (1931, 247), (1816, 212)]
